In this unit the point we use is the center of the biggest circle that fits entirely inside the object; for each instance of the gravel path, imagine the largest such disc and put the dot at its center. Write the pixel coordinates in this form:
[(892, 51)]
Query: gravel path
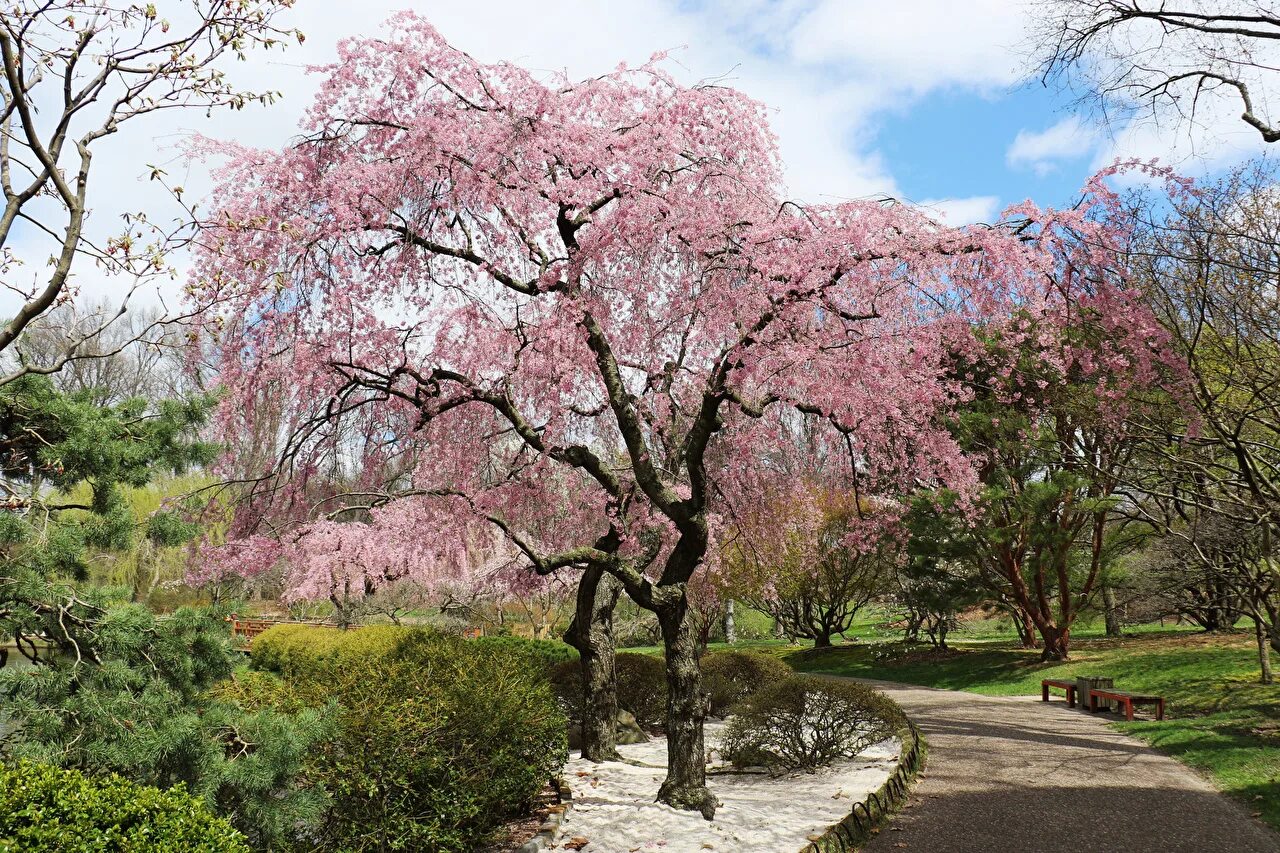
[(1014, 775)]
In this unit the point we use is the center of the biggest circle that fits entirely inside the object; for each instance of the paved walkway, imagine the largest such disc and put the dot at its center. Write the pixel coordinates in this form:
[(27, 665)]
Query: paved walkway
[(1013, 775)]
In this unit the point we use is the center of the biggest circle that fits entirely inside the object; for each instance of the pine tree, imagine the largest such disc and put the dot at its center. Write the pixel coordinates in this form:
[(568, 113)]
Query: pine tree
[(113, 687)]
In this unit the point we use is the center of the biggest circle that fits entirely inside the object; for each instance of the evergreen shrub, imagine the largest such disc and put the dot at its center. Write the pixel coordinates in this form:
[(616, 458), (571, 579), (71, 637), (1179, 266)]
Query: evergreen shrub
[(45, 809), (642, 688), (440, 740), (729, 677)]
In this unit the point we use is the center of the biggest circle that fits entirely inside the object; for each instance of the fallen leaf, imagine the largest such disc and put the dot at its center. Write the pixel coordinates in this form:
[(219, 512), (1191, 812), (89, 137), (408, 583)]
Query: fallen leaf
[(814, 837), (576, 843), (900, 844)]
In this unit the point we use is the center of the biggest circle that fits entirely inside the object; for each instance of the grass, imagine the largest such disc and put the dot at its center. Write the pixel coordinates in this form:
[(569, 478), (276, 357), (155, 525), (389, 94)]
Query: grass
[(1219, 719)]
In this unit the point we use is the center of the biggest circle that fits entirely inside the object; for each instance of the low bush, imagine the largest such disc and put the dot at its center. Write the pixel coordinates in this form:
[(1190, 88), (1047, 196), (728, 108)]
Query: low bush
[(311, 654), (543, 655), (45, 809), (439, 740), (729, 677), (806, 722), (642, 688)]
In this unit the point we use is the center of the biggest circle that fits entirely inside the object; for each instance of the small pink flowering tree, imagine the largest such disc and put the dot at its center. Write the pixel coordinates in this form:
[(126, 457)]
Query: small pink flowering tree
[(588, 306)]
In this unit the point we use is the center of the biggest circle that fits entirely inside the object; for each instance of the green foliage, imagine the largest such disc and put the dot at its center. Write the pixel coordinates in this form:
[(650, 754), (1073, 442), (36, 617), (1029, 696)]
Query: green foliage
[(137, 703), (47, 810), (938, 578), (439, 740), (307, 654), (540, 654), (803, 723), (729, 677), (642, 688)]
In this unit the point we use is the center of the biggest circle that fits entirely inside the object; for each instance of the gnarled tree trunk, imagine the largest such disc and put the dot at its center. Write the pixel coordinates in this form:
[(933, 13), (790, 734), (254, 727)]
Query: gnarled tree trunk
[(686, 784), (591, 633)]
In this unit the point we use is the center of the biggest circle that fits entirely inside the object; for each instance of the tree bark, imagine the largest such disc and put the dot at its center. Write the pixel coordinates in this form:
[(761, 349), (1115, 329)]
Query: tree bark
[(1264, 649), (686, 784), (730, 630), (822, 639), (1111, 611), (1057, 643), (591, 633)]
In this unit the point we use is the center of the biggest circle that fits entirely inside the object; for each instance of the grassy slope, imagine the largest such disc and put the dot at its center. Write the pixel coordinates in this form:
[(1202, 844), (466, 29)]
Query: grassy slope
[(1220, 720)]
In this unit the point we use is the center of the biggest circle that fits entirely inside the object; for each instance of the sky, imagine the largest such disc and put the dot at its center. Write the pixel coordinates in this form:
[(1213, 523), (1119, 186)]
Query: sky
[(927, 101)]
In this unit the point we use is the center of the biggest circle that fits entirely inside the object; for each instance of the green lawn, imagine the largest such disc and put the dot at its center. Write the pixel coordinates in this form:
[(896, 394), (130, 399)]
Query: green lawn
[(1219, 719)]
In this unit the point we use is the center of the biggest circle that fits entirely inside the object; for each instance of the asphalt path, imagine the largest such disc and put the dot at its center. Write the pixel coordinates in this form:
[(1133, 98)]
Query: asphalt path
[(1016, 775)]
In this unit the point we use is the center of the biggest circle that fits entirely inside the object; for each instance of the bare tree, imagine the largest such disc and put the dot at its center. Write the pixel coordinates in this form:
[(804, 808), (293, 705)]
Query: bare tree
[(1165, 57), (1211, 268), (137, 355), (75, 71)]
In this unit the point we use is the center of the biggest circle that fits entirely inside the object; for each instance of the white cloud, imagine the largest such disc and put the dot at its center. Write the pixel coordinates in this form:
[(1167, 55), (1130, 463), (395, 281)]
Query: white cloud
[(827, 69), (963, 211), (1216, 139), (1042, 150), (916, 46)]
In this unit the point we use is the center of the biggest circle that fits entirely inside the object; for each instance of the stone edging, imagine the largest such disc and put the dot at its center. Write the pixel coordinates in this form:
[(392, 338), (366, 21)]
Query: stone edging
[(551, 826), (865, 816)]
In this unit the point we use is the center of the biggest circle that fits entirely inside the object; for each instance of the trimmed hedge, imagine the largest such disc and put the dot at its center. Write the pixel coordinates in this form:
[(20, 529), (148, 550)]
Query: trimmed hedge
[(45, 809), (642, 688), (440, 740), (729, 677), (542, 654), (806, 722)]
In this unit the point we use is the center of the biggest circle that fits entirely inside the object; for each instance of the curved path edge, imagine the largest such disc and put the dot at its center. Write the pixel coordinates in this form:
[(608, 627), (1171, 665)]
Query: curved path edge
[(1017, 775)]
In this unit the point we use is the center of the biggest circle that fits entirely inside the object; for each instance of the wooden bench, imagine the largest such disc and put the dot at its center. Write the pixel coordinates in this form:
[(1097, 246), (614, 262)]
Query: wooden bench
[(1128, 700), (1069, 686)]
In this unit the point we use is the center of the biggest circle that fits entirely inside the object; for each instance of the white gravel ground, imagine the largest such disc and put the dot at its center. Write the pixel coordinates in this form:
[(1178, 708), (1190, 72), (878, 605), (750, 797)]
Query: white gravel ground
[(613, 805)]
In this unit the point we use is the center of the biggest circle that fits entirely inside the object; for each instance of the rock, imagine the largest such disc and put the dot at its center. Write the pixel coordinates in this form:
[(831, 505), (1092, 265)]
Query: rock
[(628, 730)]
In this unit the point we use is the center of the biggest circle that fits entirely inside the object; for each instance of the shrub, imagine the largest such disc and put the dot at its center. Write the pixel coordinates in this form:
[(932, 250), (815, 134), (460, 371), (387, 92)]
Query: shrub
[(311, 654), (439, 740), (729, 677), (542, 655), (44, 809), (642, 688), (805, 722), (162, 678)]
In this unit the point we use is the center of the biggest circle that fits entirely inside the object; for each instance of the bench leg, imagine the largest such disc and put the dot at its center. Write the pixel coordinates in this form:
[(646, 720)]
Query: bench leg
[(1044, 693), (1071, 697), (1160, 710), (1128, 710), (1093, 703)]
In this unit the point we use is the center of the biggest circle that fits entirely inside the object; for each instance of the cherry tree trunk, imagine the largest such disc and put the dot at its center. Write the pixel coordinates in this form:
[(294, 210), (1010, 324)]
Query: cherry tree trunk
[(686, 784), (591, 633), (730, 630)]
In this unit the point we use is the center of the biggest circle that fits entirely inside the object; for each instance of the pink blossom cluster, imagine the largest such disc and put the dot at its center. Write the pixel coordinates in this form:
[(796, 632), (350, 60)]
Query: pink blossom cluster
[(586, 311)]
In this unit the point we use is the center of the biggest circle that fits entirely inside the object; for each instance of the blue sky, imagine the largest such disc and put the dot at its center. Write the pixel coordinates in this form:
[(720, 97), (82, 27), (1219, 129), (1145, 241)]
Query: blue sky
[(956, 144)]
